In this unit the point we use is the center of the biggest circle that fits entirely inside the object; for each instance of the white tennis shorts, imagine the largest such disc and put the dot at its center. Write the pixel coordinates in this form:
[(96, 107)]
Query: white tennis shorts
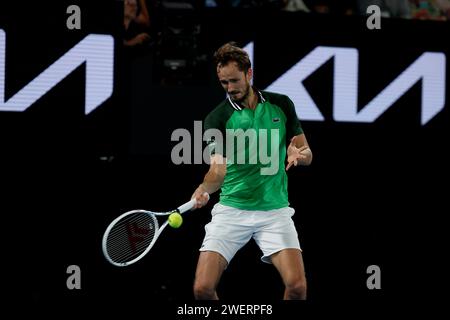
[(231, 228)]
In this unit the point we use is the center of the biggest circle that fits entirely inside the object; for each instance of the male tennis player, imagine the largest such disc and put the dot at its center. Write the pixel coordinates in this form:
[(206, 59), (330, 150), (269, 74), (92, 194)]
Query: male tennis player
[(254, 199)]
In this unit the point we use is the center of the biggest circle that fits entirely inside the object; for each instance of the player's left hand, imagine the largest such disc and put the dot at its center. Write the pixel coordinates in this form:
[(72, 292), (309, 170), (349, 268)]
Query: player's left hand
[(294, 154)]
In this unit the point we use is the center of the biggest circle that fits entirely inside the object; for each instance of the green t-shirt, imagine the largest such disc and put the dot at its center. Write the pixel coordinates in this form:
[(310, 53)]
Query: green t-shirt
[(254, 144)]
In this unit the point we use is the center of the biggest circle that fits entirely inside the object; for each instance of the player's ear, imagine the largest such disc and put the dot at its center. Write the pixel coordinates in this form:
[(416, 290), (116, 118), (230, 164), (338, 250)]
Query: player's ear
[(249, 74)]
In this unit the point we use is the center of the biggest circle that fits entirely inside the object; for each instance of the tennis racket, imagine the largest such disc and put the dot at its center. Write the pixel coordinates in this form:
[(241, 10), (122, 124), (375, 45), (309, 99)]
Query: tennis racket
[(130, 236)]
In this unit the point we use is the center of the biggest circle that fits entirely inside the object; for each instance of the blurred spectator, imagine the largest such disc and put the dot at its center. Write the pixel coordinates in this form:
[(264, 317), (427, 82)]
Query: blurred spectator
[(417, 9), (319, 6), (235, 3), (341, 7), (136, 23), (261, 4), (444, 6), (345, 7), (294, 5), (232, 3), (430, 9), (211, 3), (389, 8)]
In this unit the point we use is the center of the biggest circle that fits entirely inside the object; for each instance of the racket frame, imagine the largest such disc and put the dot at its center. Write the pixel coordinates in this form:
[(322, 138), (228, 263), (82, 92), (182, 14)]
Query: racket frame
[(158, 230)]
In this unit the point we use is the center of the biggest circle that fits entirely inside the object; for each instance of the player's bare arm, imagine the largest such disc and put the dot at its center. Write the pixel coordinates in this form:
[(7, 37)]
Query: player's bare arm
[(213, 180)]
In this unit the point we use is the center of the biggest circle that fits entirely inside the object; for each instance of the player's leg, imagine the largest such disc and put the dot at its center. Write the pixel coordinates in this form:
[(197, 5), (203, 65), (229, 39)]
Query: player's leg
[(289, 263), (210, 267), (277, 237), (227, 232)]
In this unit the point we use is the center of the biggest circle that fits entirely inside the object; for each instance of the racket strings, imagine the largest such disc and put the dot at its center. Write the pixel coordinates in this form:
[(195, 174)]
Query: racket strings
[(131, 236)]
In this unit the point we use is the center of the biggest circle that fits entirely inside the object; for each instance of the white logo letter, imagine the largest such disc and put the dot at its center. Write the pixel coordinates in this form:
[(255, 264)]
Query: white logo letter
[(98, 53), (430, 68)]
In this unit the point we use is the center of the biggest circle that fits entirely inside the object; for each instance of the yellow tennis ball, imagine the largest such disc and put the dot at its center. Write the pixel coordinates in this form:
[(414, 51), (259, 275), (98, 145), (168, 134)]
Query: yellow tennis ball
[(175, 220)]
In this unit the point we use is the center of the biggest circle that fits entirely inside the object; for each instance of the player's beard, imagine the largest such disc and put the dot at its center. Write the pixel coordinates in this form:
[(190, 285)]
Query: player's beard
[(244, 95)]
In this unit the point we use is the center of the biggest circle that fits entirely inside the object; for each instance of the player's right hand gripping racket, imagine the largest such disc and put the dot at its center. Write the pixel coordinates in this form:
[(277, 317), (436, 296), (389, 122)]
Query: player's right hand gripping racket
[(130, 236)]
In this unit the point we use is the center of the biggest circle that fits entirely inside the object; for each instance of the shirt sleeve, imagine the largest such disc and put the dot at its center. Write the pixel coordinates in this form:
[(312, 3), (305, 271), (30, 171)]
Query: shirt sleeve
[(215, 134), (293, 126)]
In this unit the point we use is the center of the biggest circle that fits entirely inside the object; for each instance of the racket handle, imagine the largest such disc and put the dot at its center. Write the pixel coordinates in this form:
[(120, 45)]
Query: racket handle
[(189, 205)]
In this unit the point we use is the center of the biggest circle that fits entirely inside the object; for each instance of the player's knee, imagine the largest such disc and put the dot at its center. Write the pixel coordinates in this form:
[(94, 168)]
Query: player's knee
[(296, 290), (203, 291)]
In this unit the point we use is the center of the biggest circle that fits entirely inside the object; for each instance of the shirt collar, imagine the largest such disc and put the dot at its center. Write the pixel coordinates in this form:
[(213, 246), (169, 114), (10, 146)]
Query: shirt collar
[(238, 107)]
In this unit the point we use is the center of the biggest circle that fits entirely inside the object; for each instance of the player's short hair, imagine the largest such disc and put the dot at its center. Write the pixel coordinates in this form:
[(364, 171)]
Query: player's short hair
[(230, 52)]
